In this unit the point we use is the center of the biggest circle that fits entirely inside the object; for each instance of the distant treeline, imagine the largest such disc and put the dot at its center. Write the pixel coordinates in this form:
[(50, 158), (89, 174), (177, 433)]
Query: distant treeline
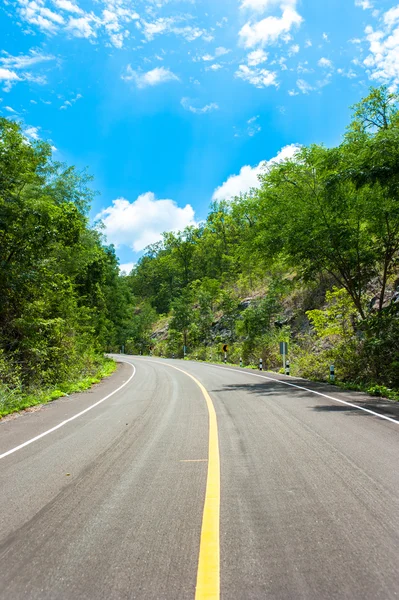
[(316, 248)]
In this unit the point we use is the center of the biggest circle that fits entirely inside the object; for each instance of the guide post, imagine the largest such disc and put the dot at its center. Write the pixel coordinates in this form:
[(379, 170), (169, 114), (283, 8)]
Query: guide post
[(284, 352), (225, 348)]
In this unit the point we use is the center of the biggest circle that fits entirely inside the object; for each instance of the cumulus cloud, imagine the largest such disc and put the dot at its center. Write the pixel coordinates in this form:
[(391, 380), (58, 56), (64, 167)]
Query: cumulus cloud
[(8, 78), (36, 13), (7, 75), (326, 63), (186, 104), (258, 77), (248, 178), (150, 78), (257, 57), (270, 29), (383, 61), (32, 133), (68, 16), (142, 222)]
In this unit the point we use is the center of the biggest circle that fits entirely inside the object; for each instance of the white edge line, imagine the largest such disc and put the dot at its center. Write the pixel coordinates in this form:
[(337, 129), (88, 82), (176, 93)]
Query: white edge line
[(300, 387), (38, 437)]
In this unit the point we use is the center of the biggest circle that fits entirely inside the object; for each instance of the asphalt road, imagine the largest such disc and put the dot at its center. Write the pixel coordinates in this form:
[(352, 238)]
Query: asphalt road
[(110, 505)]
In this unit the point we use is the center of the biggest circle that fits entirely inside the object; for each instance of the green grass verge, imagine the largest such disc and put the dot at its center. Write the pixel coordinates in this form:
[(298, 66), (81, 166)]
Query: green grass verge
[(13, 401), (380, 391)]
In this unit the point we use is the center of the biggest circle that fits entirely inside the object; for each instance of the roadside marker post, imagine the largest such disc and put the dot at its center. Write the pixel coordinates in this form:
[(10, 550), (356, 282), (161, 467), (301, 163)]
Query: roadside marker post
[(287, 367), (225, 348), (260, 364), (240, 362), (332, 373), (284, 352)]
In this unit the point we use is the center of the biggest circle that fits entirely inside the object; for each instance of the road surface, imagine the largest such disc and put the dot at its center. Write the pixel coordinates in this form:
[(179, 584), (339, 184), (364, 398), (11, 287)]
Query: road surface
[(178, 480)]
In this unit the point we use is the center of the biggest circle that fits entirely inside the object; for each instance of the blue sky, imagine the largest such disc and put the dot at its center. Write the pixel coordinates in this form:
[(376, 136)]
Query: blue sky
[(171, 103)]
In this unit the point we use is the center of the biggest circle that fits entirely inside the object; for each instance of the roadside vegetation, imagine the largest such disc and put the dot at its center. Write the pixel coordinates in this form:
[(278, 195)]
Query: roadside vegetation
[(310, 258), (62, 301)]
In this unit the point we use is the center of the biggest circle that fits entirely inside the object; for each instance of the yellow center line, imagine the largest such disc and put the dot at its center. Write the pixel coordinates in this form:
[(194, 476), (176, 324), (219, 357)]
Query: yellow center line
[(208, 574)]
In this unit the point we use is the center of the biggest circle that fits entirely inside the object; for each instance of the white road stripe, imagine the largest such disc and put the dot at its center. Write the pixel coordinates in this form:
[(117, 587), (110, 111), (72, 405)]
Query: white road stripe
[(38, 437), (299, 387)]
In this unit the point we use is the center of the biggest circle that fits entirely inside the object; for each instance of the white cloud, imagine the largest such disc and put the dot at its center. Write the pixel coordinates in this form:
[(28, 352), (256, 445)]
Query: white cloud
[(383, 61), (247, 179), (214, 67), (263, 5), (32, 133), (127, 268), (325, 63), (154, 77), (364, 4), (258, 77), (142, 222), (7, 75), (221, 51), (80, 27), (36, 13), (68, 6), (304, 86), (72, 19), (24, 61), (257, 57), (270, 29), (253, 126), (250, 129), (186, 104), (70, 102), (165, 25)]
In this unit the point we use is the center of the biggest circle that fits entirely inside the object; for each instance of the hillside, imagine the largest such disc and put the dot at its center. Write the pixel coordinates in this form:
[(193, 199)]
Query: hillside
[(310, 257)]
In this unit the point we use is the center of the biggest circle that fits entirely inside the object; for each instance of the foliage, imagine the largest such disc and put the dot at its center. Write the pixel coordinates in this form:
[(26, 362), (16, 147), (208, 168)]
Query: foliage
[(62, 299), (328, 215), (323, 227)]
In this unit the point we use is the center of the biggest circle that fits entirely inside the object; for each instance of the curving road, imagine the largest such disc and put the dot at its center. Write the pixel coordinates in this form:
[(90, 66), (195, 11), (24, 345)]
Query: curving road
[(119, 492)]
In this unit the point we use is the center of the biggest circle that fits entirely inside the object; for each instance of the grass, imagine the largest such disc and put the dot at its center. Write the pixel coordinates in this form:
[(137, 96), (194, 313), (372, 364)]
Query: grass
[(13, 400), (380, 391)]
